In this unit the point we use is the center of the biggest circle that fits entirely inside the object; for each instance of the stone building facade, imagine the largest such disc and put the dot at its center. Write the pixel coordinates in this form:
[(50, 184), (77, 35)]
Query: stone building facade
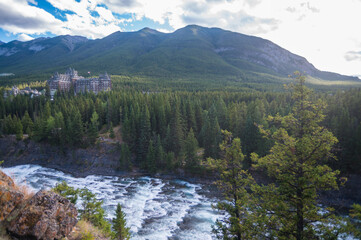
[(63, 82)]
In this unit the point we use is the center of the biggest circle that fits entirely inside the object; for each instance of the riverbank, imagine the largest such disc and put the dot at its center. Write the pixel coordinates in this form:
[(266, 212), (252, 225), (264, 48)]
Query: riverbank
[(103, 159)]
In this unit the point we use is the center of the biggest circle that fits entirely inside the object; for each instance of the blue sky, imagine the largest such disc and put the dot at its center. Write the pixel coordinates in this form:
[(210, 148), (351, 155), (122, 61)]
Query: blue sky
[(325, 32)]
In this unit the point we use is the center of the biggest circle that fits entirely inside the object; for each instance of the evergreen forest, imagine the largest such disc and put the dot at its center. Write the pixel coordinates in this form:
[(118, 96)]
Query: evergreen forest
[(164, 130), (302, 140)]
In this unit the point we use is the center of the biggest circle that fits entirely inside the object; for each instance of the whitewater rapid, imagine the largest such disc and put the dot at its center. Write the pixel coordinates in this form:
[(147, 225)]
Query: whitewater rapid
[(155, 208)]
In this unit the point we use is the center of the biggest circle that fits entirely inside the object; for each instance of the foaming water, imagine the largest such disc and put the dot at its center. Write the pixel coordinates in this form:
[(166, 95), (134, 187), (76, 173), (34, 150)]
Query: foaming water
[(154, 208)]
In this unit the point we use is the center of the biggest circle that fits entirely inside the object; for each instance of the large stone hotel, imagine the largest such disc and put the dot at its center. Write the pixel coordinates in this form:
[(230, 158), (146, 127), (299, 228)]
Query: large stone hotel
[(63, 82)]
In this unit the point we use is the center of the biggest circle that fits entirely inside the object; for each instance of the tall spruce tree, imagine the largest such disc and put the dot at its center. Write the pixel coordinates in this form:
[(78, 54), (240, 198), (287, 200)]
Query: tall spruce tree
[(244, 220), (93, 128), (76, 128), (27, 123), (159, 153), (176, 130), (190, 151), (125, 157), (298, 164), (18, 129), (119, 225), (145, 133), (150, 163)]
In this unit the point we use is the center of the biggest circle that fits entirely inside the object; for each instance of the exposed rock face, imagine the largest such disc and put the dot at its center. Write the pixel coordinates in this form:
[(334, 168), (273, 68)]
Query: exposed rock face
[(79, 162), (9, 197), (45, 216), (6, 181)]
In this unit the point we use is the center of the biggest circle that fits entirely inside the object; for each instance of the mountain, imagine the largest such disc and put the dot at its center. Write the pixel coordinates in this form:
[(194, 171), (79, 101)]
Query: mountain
[(189, 51)]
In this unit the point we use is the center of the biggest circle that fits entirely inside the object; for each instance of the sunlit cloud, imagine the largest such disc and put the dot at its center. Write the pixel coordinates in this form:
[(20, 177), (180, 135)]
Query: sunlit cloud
[(19, 17)]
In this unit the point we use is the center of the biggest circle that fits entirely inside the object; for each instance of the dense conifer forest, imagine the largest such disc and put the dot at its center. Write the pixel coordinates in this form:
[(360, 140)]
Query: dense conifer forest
[(163, 130)]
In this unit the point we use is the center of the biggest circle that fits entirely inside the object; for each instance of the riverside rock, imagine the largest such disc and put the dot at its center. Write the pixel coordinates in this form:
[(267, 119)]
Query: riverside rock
[(5, 180), (9, 196), (44, 216)]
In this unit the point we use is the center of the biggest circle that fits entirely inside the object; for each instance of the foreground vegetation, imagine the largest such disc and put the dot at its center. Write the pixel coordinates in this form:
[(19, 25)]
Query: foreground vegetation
[(286, 207), (93, 223)]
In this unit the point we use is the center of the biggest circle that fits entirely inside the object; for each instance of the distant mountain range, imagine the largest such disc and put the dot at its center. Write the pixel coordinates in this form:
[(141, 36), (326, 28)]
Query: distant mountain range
[(189, 51)]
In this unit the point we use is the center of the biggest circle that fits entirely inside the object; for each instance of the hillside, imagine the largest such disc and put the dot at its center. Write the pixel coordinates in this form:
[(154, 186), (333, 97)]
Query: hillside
[(191, 51)]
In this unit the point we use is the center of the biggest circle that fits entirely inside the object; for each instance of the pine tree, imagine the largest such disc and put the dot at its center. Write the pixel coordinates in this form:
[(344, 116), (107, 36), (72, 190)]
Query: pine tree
[(49, 132), (150, 164), (93, 129), (76, 127), (59, 130), (191, 119), (244, 220), (167, 139), (159, 154), (144, 135), (27, 123), (221, 109), (93, 211), (169, 159), (47, 91), (119, 225), (176, 131), (47, 111), (125, 157), (297, 162), (18, 129), (9, 125), (190, 151)]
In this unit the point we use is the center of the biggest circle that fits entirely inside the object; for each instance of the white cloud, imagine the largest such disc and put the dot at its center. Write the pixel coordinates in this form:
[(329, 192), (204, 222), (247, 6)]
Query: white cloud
[(19, 17), (16, 16), (24, 37), (32, 2), (210, 13), (321, 31), (353, 56)]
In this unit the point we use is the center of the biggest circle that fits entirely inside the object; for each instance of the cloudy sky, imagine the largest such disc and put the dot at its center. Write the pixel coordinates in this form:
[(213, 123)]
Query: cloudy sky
[(326, 32)]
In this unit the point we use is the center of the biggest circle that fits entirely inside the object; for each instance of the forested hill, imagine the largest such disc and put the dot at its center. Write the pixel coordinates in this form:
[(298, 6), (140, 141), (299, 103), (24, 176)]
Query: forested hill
[(188, 52)]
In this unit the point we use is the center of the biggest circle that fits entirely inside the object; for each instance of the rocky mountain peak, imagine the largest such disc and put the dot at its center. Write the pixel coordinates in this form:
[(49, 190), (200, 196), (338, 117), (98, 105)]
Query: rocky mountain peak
[(71, 41)]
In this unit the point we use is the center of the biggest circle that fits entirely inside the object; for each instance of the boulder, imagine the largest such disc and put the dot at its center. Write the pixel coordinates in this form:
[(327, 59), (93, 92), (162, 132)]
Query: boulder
[(5, 180), (9, 199), (9, 196), (45, 216)]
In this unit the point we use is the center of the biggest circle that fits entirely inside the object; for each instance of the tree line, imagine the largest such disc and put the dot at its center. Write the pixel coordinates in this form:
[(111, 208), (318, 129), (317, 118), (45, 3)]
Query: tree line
[(164, 131)]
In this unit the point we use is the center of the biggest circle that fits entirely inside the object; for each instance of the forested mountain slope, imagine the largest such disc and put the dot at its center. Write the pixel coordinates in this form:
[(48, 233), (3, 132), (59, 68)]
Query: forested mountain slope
[(191, 51)]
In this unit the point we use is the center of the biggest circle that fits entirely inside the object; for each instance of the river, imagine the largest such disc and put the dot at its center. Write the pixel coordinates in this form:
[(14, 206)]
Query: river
[(155, 208)]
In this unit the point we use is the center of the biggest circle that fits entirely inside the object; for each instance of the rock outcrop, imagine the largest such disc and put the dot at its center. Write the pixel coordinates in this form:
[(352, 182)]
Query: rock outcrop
[(100, 160), (9, 200), (6, 181), (46, 215), (9, 196)]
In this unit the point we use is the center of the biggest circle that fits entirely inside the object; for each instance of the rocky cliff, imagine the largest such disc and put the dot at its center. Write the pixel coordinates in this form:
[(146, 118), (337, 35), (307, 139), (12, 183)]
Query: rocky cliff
[(101, 159), (44, 216)]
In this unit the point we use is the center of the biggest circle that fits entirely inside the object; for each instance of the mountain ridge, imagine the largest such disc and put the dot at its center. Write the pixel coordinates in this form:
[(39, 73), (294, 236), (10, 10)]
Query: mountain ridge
[(192, 50)]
